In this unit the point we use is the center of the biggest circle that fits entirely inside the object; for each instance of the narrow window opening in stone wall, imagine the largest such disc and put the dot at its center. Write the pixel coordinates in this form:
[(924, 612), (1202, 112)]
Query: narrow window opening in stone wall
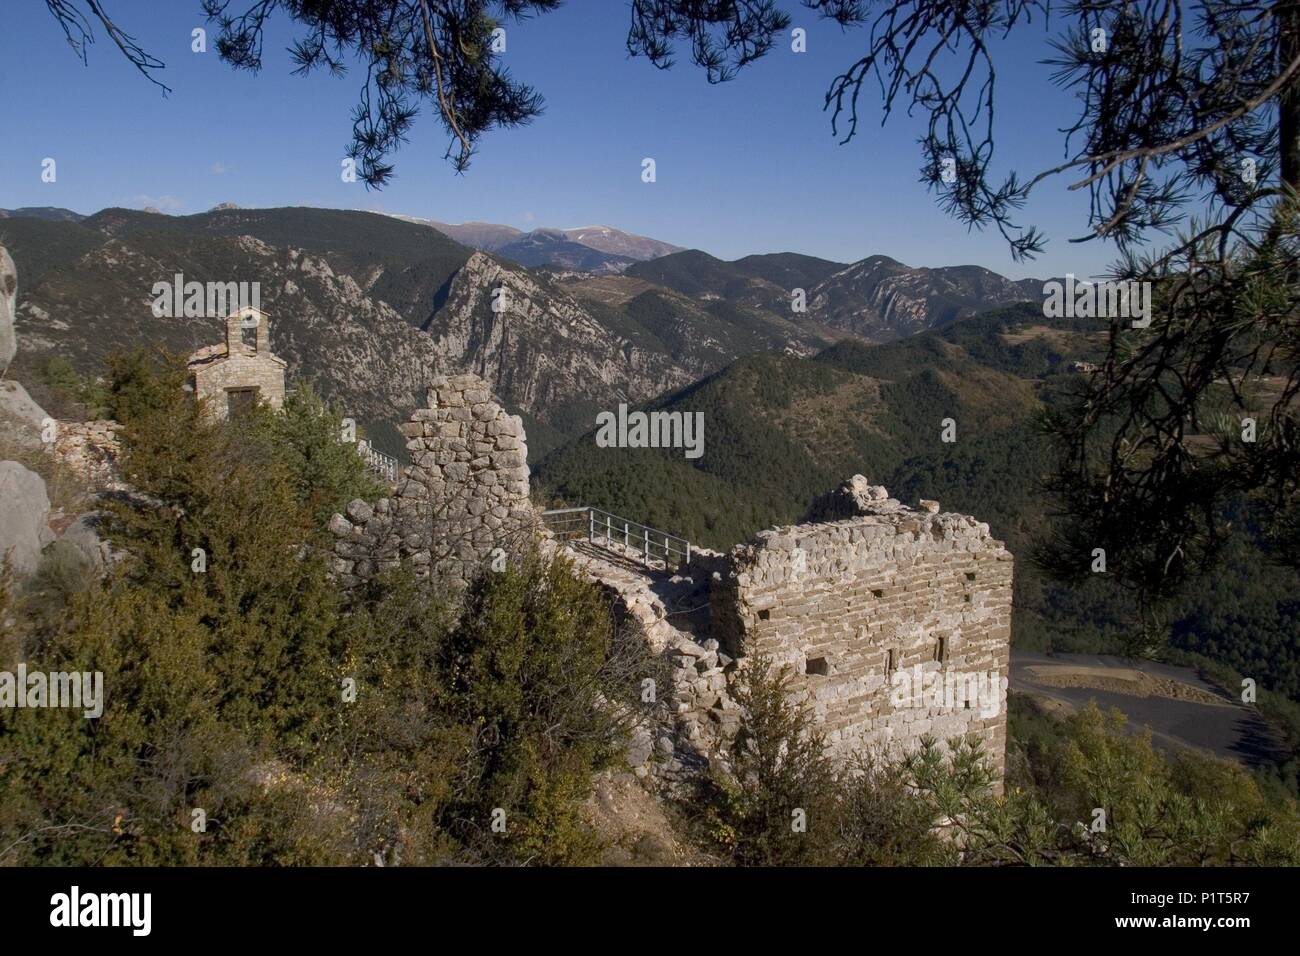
[(248, 336), (891, 661), (764, 615), (878, 592), (941, 649), (817, 665), (970, 575)]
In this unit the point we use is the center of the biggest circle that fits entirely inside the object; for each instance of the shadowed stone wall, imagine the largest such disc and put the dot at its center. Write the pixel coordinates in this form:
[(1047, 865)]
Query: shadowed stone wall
[(464, 494)]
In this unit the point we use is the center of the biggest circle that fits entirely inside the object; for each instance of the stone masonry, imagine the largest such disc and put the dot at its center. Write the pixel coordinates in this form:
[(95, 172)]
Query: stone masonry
[(865, 599), (235, 372), (885, 614), (464, 494)]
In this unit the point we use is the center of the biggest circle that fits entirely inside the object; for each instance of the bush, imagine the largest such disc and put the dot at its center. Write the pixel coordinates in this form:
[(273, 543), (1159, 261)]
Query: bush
[(229, 675), (326, 472), (940, 805), (775, 803)]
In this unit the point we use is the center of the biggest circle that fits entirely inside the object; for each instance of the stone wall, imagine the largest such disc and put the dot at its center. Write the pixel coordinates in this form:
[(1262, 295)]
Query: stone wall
[(891, 618), (695, 714), (464, 494)]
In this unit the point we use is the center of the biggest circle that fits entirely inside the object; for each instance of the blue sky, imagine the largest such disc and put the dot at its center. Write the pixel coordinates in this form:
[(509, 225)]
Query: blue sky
[(743, 167)]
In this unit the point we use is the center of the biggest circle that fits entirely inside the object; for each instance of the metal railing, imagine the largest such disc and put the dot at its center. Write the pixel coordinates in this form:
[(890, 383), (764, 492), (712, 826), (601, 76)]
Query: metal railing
[(385, 466), (620, 535)]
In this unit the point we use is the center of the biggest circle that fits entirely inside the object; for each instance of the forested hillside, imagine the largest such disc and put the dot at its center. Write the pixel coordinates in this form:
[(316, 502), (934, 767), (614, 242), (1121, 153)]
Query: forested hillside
[(780, 429)]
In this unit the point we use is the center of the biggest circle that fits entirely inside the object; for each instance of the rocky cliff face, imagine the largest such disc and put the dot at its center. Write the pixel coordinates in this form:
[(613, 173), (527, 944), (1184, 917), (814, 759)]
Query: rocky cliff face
[(879, 298), (541, 350)]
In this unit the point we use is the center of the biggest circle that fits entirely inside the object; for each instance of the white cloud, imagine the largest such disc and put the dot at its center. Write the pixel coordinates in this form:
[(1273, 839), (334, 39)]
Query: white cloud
[(218, 169)]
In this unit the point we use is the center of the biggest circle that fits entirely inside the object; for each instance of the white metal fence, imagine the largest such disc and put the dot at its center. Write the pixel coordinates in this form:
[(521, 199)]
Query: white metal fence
[(620, 535), (385, 466)]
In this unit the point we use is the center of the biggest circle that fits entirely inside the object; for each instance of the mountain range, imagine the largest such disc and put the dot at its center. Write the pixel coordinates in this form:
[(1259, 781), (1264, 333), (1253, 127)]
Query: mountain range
[(367, 306), (593, 249)]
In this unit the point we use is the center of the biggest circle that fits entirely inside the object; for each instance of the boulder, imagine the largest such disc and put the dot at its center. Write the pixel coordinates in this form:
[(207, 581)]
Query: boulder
[(83, 534), (359, 511), (24, 511), (21, 419), (640, 747)]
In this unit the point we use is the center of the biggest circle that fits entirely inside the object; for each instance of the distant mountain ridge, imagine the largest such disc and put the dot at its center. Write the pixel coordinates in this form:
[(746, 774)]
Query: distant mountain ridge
[(553, 247), (876, 299), (368, 306), (48, 213), (596, 249), (616, 242)]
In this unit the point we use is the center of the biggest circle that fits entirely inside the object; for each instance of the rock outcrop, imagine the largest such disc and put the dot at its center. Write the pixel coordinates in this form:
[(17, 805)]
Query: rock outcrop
[(8, 308), (83, 535), (22, 421), (24, 513), (540, 348), (881, 298)]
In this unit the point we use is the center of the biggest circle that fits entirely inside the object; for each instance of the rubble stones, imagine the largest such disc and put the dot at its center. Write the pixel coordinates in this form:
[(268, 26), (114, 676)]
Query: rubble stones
[(853, 497)]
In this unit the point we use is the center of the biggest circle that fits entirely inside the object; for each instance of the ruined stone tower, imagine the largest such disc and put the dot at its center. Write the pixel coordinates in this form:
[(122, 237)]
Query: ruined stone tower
[(240, 371), (464, 494), (895, 621)]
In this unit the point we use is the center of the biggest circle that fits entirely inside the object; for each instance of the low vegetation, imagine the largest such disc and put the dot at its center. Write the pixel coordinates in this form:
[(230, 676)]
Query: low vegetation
[(1081, 791), (255, 716)]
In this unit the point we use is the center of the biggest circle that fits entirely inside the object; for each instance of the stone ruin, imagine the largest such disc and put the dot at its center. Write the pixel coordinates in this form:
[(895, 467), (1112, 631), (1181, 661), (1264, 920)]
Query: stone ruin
[(464, 495), (866, 599), (896, 622)]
